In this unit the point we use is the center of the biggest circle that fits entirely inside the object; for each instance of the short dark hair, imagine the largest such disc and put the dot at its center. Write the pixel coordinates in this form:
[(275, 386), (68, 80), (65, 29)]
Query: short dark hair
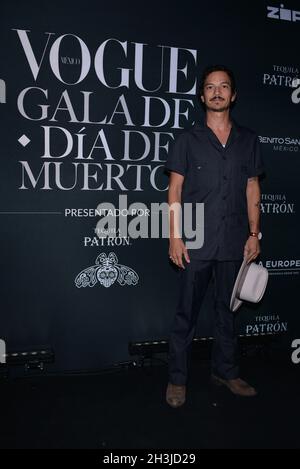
[(217, 68)]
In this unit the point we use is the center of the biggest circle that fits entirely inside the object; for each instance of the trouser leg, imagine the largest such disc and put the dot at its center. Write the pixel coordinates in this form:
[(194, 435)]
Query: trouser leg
[(225, 348), (193, 285)]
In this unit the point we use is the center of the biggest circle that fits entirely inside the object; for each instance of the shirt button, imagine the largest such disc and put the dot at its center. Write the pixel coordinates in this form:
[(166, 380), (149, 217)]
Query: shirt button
[(223, 217), (224, 157), (224, 197), (225, 178)]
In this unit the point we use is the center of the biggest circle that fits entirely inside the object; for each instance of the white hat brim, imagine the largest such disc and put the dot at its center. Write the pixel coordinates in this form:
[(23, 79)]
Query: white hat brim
[(235, 302)]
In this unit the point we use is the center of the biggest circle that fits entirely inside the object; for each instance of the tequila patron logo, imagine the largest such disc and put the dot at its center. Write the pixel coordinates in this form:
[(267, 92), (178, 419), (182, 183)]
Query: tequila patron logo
[(267, 324), (276, 204), (106, 271), (281, 75)]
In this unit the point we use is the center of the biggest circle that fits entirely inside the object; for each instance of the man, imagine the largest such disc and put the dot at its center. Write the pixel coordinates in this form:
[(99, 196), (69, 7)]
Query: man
[(217, 163)]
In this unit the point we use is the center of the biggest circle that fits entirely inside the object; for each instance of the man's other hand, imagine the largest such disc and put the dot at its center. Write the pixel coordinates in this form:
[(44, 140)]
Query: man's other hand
[(177, 251)]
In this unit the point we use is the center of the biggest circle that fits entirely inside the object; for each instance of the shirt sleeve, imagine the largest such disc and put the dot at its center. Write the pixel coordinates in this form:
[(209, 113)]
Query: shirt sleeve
[(256, 165), (177, 157)]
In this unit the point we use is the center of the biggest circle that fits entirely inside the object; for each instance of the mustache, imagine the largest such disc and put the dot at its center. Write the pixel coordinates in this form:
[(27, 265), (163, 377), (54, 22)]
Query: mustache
[(217, 97)]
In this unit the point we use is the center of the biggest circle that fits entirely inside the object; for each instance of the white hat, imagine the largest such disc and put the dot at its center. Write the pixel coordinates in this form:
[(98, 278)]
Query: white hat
[(250, 284)]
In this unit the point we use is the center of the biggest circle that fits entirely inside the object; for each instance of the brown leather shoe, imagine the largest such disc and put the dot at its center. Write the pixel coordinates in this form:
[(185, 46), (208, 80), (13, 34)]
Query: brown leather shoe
[(175, 395), (237, 386)]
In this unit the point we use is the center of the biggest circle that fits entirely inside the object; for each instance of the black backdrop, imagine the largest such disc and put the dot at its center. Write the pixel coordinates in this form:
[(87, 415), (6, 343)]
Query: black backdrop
[(139, 89)]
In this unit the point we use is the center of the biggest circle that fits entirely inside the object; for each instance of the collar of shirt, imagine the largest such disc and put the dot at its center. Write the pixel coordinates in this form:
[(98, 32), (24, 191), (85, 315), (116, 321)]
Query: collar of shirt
[(235, 132)]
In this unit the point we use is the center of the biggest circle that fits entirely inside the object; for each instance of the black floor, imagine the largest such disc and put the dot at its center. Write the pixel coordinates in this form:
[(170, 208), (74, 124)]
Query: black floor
[(127, 409)]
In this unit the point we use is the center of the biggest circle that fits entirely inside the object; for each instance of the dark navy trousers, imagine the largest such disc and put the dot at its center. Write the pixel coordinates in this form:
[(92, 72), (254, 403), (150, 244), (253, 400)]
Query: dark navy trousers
[(194, 281)]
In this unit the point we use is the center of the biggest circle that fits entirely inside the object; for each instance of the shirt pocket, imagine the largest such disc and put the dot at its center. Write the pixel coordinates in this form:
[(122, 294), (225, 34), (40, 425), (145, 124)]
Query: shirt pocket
[(205, 176)]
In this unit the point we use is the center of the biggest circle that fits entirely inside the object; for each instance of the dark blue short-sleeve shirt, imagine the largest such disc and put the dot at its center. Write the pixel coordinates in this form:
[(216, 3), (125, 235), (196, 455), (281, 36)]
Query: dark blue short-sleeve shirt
[(217, 176)]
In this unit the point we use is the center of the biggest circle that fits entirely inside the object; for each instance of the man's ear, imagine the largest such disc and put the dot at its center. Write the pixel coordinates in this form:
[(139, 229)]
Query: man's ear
[(233, 97), (202, 98)]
